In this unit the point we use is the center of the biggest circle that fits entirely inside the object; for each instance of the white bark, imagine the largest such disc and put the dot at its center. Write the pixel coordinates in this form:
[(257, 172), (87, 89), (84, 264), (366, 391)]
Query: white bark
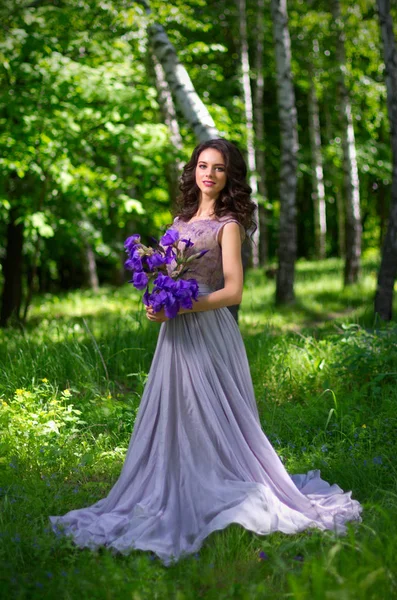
[(169, 114), (189, 102), (320, 221), (352, 191), (249, 121), (167, 105), (388, 268), (259, 128), (91, 270), (287, 245), (340, 207)]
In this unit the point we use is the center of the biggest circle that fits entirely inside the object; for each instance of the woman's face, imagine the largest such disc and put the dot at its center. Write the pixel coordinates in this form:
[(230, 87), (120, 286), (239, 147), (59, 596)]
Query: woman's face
[(211, 172)]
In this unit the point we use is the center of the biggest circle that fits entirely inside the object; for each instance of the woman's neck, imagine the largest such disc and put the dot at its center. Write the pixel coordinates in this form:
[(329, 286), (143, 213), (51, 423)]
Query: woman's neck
[(206, 207)]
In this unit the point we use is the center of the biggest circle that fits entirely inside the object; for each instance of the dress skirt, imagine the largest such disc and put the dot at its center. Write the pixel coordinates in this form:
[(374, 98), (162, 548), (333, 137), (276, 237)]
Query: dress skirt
[(198, 459)]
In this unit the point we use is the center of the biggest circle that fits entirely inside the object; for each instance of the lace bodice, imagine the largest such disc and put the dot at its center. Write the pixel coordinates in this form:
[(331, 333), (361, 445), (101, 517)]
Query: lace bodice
[(204, 233)]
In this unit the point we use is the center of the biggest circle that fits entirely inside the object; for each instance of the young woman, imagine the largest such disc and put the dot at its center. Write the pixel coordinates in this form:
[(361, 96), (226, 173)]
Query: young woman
[(198, 459)]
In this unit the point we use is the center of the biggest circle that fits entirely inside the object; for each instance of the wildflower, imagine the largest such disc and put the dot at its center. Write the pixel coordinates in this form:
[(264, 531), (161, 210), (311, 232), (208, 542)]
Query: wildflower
[(67, 392), (377, 460), (19, 391), (263, 555), (364, 426), (324, 448), (44, 380)]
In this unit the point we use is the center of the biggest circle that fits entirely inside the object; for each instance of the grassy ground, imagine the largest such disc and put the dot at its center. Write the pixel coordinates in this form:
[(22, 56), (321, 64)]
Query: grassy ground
[(325, 375)]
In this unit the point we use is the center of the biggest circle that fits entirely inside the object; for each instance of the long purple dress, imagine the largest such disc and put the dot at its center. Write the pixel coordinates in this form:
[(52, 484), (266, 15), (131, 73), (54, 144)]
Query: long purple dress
[(198, 459)]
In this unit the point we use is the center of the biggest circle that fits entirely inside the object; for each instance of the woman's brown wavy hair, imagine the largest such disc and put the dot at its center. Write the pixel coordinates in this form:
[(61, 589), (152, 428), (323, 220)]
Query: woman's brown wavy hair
[(235, 198)]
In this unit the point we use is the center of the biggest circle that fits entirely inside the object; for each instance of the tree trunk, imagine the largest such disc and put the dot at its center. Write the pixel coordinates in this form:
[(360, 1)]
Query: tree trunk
[(260, 136), (249, 121), (90, 268), (287, 245), (12, 271), (388, 267), (382, 209), (167, 107), (189, 102), (340, 207), (352, 192), (320, 221)]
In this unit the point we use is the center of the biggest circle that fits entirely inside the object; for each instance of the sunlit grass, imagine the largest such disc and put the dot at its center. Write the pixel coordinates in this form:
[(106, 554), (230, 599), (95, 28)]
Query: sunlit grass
[(324, 374)]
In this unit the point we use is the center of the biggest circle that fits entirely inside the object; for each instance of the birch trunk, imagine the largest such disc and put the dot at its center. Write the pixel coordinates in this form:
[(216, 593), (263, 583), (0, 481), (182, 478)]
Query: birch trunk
[(249, 121), (287, 245), (189, 102), (340, 207), (90, 267), (352, 192), (169, 115), (320, 221), (260, 135), (388, 267)]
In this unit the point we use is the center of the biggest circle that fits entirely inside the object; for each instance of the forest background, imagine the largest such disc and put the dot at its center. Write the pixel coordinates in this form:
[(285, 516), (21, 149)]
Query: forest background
[(101, 103), (92, 139)]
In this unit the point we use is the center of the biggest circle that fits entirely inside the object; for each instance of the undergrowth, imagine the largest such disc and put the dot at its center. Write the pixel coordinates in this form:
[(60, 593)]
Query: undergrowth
[(325, 375)]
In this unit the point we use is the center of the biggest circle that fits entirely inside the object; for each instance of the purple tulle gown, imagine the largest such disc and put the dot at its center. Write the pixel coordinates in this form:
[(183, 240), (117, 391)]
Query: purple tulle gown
[(198, 459)]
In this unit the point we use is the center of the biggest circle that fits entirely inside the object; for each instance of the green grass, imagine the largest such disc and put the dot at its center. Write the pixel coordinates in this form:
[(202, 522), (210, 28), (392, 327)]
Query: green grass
[(325, 375)]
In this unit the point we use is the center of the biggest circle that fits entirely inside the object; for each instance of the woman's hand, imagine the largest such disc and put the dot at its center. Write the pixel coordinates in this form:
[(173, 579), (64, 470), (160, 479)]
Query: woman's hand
[(158, 317)]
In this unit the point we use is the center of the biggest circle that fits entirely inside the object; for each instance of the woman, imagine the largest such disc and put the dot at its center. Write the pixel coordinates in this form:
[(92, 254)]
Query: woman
[(198, 459)]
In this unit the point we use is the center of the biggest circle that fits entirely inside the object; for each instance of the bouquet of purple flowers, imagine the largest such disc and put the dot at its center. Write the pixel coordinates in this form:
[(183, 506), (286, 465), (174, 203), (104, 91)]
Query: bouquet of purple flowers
[(150, 264)]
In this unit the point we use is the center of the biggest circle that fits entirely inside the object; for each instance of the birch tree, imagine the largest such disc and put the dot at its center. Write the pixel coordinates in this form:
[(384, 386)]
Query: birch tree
[(287, 245), (353, 226), (249, 121), (388, 267), (320, 222), (169, 115), (260, 133), (189, 102)]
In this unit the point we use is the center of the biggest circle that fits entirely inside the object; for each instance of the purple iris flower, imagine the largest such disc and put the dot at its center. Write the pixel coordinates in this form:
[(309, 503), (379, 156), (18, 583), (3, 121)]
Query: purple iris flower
[(164, 282), (146, 297), (134, 263), (186, 302), (140, 280), (168, 293), (155, 260), (201, 253), (131, 241), (170, 237), (170, 255), (171, 307), (188, 243), (158, 298)]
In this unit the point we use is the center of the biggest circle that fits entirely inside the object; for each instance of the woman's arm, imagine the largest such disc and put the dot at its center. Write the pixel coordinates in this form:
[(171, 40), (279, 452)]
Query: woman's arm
[(232, 291)]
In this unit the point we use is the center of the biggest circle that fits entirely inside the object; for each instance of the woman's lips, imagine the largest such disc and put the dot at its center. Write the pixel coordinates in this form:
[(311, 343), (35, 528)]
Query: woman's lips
[(208, 183)]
